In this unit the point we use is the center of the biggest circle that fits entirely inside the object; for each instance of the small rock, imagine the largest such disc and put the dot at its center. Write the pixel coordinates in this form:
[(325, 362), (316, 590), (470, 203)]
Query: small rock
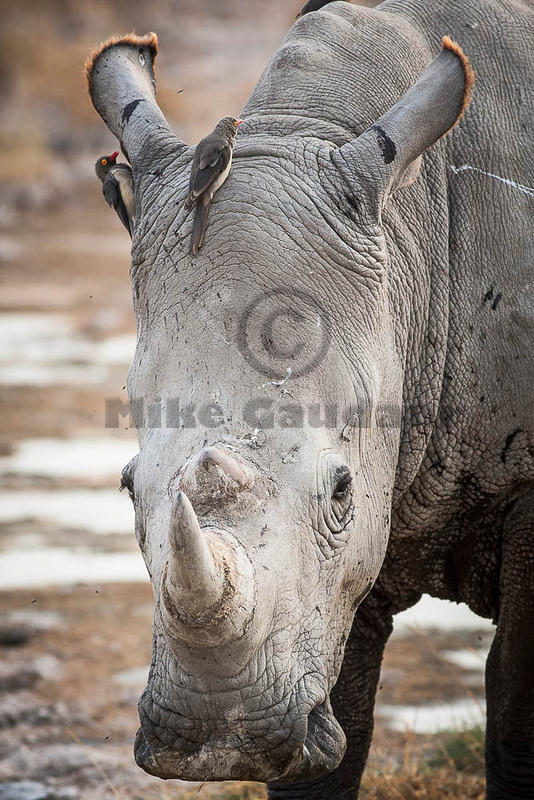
[(21, 709), (13, 634), (53, 761), (14, 677), (18, 627), (26, 790)]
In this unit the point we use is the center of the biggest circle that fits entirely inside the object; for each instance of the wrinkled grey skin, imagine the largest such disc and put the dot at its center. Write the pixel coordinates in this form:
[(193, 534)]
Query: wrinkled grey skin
[(427, 295)]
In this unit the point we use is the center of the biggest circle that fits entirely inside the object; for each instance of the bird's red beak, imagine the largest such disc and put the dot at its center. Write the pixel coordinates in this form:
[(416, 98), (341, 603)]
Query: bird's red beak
[(113, 156), (240, 121)]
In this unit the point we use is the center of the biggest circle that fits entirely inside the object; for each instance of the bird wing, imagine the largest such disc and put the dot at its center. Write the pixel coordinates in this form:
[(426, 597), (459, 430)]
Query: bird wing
[(200, 223), (123, 175), (113, 197), (212, 162)]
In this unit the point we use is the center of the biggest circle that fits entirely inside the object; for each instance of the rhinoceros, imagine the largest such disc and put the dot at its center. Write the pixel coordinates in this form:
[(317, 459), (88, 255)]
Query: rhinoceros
[(335, 397)]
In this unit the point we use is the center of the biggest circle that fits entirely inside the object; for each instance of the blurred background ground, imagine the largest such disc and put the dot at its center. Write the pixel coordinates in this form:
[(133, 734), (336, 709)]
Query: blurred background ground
[(75, 604)]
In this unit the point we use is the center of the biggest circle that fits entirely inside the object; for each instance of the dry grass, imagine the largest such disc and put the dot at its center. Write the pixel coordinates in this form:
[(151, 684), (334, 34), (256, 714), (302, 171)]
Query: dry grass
[(437, 785), (226, 791), (231, 791), (451, 767)]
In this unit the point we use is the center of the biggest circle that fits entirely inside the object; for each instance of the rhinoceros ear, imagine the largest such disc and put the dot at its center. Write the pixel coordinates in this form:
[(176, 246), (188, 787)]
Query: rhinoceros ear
[(387, 156), (122, 86)]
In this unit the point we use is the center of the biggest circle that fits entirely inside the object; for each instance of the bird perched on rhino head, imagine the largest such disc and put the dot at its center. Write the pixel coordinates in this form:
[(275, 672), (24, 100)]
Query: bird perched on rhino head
[(211, 167), (117, 188)]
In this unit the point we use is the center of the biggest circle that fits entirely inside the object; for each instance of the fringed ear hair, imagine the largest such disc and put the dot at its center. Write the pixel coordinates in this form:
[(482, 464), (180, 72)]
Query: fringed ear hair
[(122, 85)]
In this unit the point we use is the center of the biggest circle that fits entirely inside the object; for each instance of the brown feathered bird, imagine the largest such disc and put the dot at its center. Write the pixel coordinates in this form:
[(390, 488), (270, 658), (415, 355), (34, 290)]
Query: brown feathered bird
[(117, 188), (210, 168)]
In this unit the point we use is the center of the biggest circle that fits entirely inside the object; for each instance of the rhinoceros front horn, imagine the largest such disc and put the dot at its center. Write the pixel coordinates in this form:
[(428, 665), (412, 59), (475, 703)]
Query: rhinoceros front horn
[(207, 590)]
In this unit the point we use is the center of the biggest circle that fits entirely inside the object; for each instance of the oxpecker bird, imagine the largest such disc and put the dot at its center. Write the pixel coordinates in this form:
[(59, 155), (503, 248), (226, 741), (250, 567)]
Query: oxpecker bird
[(211, 167), (313, 5), (117, 188)]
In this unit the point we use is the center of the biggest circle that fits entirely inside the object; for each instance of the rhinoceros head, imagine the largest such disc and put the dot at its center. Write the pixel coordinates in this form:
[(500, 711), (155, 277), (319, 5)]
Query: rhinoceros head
[(268, 385)]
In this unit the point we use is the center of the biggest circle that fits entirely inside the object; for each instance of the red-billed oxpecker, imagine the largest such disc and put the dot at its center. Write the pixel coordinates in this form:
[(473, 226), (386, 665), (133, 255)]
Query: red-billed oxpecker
[(117, 188), (211, 167)]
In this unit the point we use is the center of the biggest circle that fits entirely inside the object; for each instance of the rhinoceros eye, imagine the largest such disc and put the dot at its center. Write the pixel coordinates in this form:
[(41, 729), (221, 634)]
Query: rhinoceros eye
[(127, 480), (342, 496), (343, 487)]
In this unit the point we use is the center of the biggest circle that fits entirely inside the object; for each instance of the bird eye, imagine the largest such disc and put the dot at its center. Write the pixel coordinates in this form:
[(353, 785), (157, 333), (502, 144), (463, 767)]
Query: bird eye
[(104, 162)]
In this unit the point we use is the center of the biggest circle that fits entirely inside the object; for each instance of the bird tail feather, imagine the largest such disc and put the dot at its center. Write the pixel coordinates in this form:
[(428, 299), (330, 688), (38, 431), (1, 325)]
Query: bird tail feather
[(200, 224)]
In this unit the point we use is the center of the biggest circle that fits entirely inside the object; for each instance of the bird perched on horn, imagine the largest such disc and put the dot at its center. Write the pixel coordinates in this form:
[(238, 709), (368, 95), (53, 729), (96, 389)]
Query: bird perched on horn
[(117, 188), (211, 167), (313, 5)]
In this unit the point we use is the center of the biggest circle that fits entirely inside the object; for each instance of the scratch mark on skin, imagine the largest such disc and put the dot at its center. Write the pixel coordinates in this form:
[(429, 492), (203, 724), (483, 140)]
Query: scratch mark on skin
[(496, 302), (386, 144), (289, 372), (490, 296), (128, 110), (528, 190), (508, 443)]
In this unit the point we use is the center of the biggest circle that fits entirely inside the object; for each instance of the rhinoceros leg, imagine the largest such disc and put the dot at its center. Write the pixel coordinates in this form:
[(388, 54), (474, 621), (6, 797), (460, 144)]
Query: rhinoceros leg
[(510, 666), (353, 699)]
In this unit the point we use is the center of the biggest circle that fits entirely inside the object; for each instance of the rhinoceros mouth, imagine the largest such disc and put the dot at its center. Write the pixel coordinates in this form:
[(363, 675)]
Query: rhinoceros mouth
[(321, 752), (323, 748)]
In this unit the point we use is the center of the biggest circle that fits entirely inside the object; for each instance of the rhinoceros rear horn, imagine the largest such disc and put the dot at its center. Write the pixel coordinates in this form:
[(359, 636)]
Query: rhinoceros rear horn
[(122, 86), (387, 155)]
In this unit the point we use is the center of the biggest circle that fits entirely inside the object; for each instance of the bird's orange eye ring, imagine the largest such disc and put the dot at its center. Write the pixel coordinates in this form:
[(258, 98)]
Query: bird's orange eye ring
[(104, 161)]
